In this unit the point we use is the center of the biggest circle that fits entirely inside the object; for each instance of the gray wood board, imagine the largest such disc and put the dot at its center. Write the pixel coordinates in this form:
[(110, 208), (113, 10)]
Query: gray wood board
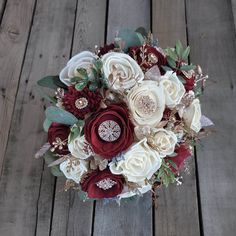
[(71, 215), (15, 27), (211, 32), (23, 207), (2, 7), (127, 14), (177, 212), (133, 217)]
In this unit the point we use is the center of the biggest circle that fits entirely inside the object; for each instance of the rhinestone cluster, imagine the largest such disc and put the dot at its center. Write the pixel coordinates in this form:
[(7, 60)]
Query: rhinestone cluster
[(146, 104), (109, 131), (106, 184), (81, 103)]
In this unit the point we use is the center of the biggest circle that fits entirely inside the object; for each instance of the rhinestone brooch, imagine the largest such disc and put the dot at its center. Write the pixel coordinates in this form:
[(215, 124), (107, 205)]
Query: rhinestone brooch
[(106, 184), (81, 103), (109, 131)]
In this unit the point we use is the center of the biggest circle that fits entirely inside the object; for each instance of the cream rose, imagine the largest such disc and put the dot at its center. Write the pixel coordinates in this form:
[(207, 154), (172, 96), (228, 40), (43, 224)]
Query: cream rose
[(139, 191), (82, 60), (140, 163), (192, 115), (74, 169), (163, 141), (80, 148), (121, 70), (147, 103), (173, 87)]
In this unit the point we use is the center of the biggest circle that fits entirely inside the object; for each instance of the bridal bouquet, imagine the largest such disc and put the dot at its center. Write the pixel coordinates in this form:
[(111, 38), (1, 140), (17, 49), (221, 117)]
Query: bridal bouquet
[(124, 118)]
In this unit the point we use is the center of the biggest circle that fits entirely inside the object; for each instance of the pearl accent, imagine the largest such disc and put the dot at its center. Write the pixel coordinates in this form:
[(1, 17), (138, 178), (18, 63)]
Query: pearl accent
[(81, 103)]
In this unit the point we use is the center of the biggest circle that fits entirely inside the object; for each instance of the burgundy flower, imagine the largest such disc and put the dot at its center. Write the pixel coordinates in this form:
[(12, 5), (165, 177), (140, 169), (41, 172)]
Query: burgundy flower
[(105, 49), (82, 102), (102, 184), (182, 154), (109, 131), (57, 137), (147, 56)]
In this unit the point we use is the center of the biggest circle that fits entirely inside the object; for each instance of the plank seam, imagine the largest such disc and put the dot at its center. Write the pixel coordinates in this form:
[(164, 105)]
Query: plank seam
[(233, 18), (106, 21), (93, 218), (199, 206), (3, 11), (18, 84), (73, 31)]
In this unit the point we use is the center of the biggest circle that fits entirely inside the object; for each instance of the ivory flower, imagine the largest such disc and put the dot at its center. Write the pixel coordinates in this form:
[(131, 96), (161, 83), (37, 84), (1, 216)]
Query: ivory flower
[(140, 163), (121, 70), (74, 169), (129, 193), (192, 115), (173, 87), (164, 141), (82, 60), (80, 148), (147, 103)]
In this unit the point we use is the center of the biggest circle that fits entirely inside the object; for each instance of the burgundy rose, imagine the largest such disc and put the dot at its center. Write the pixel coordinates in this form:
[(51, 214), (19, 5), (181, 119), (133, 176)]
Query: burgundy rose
[(105, 49), (82, 102), (102, 184), (147, 56), (109, 131), (58, 136), (182, 154)]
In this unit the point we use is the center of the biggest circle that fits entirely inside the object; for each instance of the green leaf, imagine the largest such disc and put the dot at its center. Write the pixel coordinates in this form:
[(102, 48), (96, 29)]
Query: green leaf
[(166, 68), (45, 96), (52, 82), (142, 31), (56, 114), (165, 174), (98, 64), (93, 86), (82, 71), (55, 170), (81, 85), (185, 53), (187, 67), (76, 79), (46, 124), (171, 62), (179, 48), (130, 38), (171, 53)]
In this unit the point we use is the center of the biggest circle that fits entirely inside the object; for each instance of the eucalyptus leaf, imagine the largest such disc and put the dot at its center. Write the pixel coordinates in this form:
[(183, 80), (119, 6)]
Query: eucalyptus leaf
[(46, 124), (179, 48), (130, 38), (171, 53), (52, 82), (142, 31), (185, 53), (187, 67), (171, 62), (56, 114), (81, 85), (55, 170)]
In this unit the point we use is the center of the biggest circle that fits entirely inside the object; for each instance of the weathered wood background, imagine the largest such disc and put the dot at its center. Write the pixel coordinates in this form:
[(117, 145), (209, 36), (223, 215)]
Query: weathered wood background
[(37, 37)]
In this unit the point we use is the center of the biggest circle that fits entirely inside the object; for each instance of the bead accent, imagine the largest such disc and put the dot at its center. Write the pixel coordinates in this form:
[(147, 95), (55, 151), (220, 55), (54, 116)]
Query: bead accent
[(146, 104), (81, 103), (106, 184), (109, 131)]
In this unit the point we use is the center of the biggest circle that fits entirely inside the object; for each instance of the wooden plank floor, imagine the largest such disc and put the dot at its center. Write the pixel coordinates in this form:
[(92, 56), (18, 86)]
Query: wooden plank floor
[(37, 37)]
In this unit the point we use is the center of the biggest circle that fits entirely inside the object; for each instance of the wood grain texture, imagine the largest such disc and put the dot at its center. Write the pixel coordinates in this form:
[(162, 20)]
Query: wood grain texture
[(127, 14), (177, 212), (134, 217), (212, 38), (2, 7), (22, 205), (14, 32), (233, 4), (71, 215)]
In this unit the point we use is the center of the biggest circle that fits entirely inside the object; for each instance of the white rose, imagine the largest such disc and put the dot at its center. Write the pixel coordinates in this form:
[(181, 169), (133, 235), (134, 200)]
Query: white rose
[(192, 115), (139, 191), (74, 169), (140, 163), (173, 87), (121, 70), (80, 148), (164, 141), (82, 60), (147, 103)]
